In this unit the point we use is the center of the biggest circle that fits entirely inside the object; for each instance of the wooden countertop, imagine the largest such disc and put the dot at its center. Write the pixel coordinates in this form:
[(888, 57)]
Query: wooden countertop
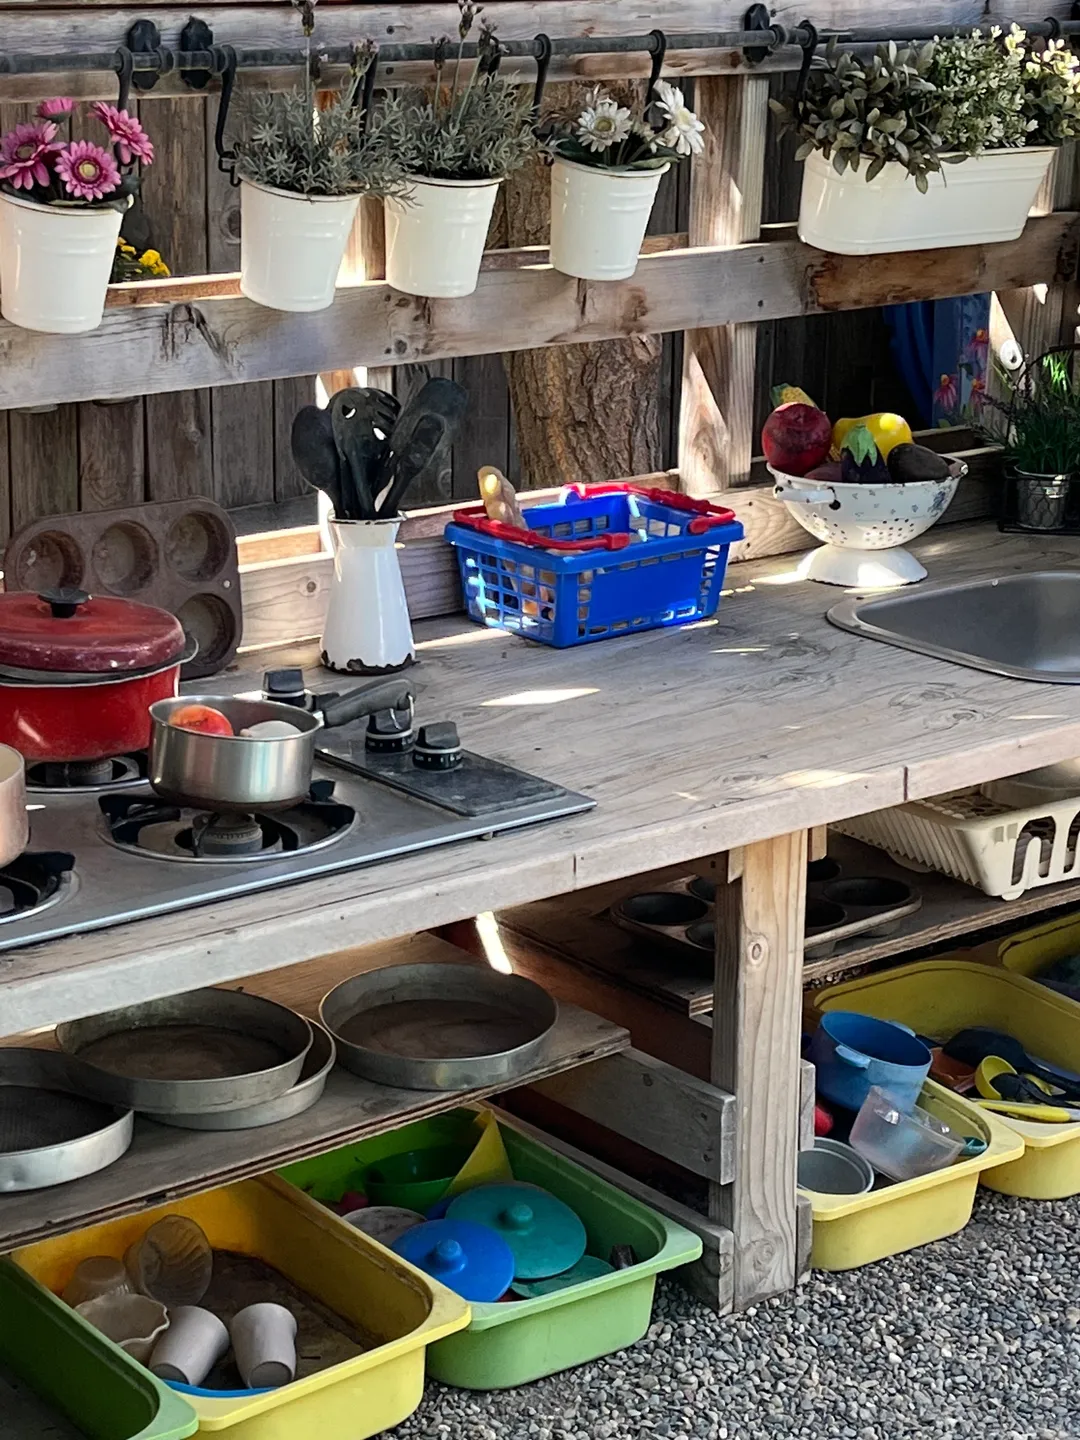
[(764, 720)]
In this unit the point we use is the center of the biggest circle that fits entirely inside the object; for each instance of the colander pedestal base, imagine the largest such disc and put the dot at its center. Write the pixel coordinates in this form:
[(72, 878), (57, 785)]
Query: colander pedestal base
[(861, 569)]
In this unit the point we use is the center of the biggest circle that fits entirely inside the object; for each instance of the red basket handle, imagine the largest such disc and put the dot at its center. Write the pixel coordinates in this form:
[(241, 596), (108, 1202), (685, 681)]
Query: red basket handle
[(476, 518), (706, 515)]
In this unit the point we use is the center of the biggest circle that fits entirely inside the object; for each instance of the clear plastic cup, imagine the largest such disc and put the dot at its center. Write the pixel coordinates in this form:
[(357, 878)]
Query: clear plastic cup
[(902, 1144)]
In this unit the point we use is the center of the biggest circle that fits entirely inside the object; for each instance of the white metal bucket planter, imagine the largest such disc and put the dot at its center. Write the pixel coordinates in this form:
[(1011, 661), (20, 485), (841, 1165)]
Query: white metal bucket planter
[(55, 263), (599, 217), (435, 236), (985, 198), (291, 246), (367, 627)]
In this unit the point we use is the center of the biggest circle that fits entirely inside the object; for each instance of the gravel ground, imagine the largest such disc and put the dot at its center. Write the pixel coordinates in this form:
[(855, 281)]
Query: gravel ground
[(977, 1335)]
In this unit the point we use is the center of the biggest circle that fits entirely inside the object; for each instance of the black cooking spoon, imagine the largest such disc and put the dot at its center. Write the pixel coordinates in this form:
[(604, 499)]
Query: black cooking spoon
[(978, 1041), (362, 421), (316, 455), (423, 434)]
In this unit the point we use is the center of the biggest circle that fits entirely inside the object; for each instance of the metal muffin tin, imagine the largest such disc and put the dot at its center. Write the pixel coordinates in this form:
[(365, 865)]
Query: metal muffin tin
[(124, 1056), (49, 1132), (838, 907), (438, 1026), (303, 1095)]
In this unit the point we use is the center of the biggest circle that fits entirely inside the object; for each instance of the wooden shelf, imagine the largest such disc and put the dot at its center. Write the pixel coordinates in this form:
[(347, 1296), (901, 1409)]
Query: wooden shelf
[(582, 931), (197, 336), (164, 1164)]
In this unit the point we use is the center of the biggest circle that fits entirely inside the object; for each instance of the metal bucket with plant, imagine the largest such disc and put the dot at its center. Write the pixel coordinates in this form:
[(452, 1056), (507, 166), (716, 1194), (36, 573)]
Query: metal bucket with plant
[(458, 141)]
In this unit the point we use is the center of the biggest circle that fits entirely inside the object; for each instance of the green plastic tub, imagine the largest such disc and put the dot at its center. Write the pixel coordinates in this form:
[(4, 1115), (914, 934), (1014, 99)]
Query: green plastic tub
[(514, 1342), (68, 1372)]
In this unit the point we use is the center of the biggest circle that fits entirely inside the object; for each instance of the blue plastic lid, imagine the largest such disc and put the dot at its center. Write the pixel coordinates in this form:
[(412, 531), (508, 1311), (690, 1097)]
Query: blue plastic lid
[(470, 1259), (545, 1235)]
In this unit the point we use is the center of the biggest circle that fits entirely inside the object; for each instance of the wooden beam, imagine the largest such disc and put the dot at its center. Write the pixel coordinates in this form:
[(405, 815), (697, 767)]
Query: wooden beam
[(686, 1120), (807, 1099), (755, 1055), (717, 401), (149, 349)]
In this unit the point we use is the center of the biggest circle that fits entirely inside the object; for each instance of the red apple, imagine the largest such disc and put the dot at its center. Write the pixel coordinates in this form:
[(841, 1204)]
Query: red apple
[(203, 718), (796, 437)]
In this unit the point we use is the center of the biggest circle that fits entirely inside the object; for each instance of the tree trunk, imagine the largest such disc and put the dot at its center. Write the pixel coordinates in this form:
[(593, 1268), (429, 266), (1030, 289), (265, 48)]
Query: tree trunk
[(584, 413)]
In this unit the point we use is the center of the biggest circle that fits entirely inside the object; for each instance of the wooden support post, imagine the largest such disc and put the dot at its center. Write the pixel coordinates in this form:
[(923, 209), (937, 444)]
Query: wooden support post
[(365, 259), (717, 406), (755, 1055)]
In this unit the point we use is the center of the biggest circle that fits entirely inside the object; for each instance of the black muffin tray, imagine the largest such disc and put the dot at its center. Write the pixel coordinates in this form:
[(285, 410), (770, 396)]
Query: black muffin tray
[(838, 906)]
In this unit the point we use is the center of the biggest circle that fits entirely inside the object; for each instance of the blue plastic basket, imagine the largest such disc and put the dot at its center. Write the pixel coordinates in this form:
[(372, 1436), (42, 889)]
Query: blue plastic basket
[(622, 558)]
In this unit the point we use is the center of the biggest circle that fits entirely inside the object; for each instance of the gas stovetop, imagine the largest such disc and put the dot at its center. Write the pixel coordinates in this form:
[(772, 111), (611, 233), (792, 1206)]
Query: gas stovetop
[(104, 855)]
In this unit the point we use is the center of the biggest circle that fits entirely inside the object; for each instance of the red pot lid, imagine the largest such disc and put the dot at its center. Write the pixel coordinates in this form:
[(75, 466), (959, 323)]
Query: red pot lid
[(67, 631)]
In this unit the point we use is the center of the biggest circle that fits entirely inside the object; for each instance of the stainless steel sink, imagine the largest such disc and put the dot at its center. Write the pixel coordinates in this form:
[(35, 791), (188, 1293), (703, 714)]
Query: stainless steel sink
[(1026, 626)]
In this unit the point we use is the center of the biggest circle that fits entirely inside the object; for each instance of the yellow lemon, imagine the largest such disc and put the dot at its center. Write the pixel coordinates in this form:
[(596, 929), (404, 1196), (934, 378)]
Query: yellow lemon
[(886, 429)]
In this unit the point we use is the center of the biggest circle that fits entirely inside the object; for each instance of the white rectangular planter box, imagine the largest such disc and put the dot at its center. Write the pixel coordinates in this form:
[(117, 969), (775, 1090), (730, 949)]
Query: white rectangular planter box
[(985, 198)]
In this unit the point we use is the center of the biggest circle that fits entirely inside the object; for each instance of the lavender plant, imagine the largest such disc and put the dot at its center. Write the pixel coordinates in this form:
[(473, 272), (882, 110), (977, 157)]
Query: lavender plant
[(291, 144), (477, 127)]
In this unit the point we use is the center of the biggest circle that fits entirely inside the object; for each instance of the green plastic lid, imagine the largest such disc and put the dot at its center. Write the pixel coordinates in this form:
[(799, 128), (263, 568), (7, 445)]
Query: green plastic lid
[(544, 1234), (589, 1267)]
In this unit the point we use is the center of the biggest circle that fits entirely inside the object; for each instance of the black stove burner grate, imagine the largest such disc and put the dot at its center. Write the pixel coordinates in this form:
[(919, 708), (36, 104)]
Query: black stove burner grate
[(31, 881), (81, 776), (154, 828)]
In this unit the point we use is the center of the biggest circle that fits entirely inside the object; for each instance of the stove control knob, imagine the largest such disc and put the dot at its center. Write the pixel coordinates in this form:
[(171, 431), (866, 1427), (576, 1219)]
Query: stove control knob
[(286, 687), (438, 746), (389, 731)]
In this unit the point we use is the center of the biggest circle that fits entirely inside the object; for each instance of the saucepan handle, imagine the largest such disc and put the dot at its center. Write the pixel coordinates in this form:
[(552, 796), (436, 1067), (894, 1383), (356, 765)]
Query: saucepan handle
[(366, 700)]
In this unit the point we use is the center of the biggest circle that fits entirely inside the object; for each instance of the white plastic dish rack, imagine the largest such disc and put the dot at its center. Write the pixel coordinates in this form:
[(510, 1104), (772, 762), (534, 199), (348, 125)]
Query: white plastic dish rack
[(973, 838)]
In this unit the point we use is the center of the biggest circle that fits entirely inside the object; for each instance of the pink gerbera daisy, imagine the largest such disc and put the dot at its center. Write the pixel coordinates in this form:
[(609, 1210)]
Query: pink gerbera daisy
[(53, 109), (25, 153), (129, 137), (88, 171)]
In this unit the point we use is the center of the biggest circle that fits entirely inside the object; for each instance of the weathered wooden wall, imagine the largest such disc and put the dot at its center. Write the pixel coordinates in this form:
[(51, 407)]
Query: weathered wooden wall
[(232, 443)]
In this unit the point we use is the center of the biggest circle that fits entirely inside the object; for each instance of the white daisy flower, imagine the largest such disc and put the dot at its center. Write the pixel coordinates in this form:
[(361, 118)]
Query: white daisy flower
[(602, 125), (685, 133)]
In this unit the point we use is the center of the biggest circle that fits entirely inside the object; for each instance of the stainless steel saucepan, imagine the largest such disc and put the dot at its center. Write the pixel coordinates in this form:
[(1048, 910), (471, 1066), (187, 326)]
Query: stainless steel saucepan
[(235, 772), (14, 821)]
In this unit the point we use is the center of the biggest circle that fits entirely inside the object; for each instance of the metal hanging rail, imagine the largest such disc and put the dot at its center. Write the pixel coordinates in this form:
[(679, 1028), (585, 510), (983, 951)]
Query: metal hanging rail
[(149, 58)]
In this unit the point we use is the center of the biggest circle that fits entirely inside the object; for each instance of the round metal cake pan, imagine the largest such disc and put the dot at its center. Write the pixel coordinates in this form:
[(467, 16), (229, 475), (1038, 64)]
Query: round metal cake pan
[(438, 1027), (303, 1095), (243, 1050), (50, 1133)]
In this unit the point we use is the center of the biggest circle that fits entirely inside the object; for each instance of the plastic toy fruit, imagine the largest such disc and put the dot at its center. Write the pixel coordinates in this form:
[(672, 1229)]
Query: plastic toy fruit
[(203, 718), (796, 437), (909, 464), (790, 395), (886, 430), (860, 459)]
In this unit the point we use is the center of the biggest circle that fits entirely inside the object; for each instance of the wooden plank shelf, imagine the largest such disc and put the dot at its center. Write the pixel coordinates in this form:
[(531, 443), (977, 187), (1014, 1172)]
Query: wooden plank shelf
[(580, 928), (149, 347), (164, 1164)]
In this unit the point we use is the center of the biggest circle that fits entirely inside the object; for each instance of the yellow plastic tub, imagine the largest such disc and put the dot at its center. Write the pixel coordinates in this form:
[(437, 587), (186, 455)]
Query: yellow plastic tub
[(939, 997), (1032, 951), (398, 1307), (853, 1230)]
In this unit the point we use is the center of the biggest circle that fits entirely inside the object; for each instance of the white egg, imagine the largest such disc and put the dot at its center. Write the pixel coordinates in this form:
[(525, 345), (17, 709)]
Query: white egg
[(270, 730)]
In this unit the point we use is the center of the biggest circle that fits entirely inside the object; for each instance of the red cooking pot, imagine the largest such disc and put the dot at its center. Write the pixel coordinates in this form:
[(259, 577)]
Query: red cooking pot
[(78, 674)]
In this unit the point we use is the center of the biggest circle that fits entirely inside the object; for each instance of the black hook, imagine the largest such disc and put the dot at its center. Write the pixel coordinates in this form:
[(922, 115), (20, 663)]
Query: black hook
[(808, 39), (225, 65), (124, 63), (366, 92), (658, 49), (542, 49), (757, 18), (196, 35), (1053, 28), (144, 38)]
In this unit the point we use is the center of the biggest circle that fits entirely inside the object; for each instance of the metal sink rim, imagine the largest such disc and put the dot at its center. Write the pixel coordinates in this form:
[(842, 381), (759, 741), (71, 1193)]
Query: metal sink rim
[(846, 616)]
